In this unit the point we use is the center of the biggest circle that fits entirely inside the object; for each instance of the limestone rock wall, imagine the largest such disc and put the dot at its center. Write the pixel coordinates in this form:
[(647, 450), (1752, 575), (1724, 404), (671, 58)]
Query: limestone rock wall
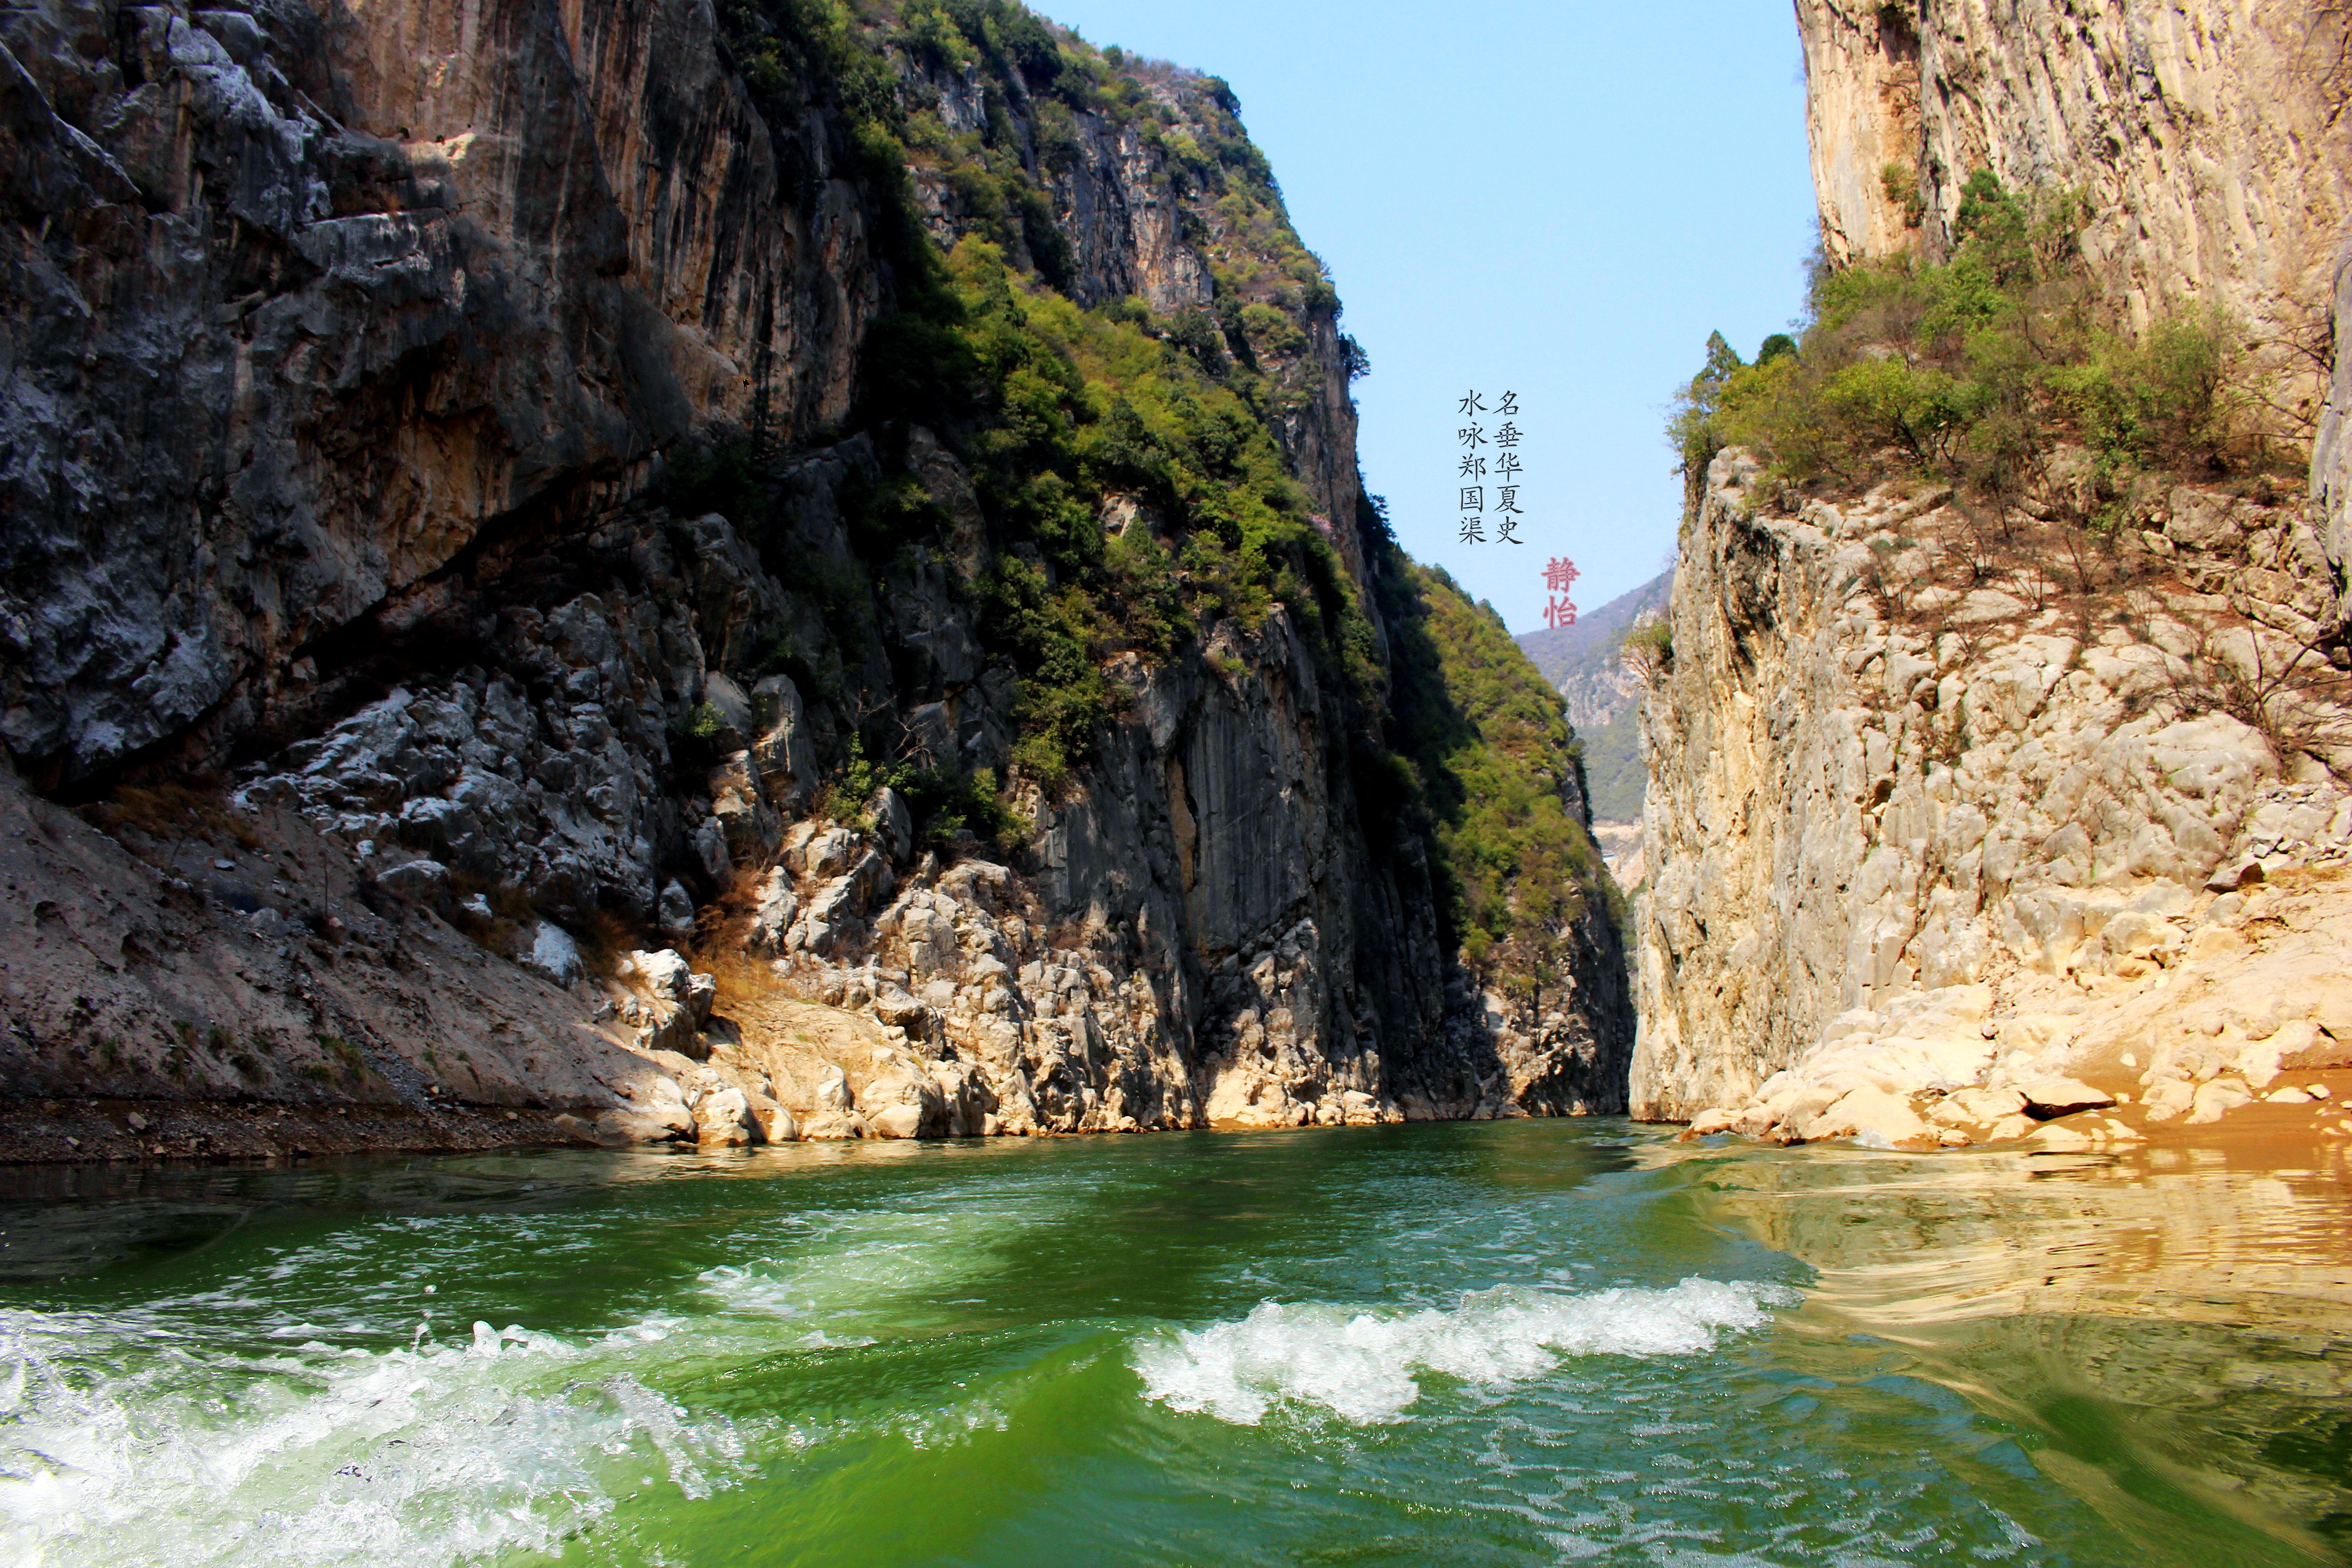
[(1889, 756), (2331, 451), (348, 358), (1927, 784), (306, 300), (2209, 137)]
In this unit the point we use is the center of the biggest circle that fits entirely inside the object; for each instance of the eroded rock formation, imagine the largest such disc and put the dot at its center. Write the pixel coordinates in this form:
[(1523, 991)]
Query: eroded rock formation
[(1931, 813), (2209, 138), (1952, 797), (486, 441)]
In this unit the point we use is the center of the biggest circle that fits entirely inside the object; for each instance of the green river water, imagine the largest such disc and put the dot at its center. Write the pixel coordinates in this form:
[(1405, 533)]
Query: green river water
[(1518, 1342)]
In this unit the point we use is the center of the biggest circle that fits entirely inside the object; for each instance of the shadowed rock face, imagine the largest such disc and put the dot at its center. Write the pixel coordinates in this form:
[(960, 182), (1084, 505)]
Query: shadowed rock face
[(306, 303), (348, 357)]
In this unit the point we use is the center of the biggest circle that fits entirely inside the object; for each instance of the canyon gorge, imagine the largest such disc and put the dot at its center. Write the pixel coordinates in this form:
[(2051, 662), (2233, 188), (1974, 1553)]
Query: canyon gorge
[(635, 572), (721, 576)]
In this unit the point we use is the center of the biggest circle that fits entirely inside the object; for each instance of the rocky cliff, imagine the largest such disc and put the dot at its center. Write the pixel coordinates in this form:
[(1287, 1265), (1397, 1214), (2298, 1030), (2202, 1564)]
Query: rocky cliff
[(1914, 829), (803, 563), (1989, 771), (2208, 137)]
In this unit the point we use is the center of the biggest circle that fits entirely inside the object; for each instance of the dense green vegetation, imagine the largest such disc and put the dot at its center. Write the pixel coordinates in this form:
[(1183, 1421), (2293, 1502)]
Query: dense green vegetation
[(1975, 371), (1613, 770), (1054, 408), (1490, 747), (1068, 418)]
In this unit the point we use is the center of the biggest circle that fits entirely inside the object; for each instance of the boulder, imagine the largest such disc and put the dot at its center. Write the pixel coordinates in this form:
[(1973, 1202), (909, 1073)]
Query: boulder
[(739, 805), (723, 1117), (678, 999), (2215, 1098), (784, 753), (894, 824), (896, 1005), (2303, 1046), (660, 974), (1871, 1117), (896, 1120), (676, 910), (661, 1124), (2048, 1098), (419, 881), (2243, 872), (772, 913), (554, 954), (734, 709)]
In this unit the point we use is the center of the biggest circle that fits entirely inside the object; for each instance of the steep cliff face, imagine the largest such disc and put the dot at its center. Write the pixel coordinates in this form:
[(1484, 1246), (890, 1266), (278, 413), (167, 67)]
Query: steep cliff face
[(308, 302), (864, 498), (2209, 138), (1916, 827), (1962, 750)]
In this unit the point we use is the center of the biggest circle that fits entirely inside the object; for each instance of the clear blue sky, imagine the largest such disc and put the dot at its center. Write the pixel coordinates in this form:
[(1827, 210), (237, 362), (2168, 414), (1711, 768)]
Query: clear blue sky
[(1562, 199)]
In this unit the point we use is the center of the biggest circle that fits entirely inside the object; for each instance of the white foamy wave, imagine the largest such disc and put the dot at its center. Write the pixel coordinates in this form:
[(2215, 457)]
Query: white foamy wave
[(1362, 1366), (127, 1441)]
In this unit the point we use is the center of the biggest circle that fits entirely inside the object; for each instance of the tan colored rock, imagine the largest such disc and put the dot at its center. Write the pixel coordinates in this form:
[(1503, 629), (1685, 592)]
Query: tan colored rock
[(2215, 1099), (723, 1116), (1871, 1116), (2169, 1099), (2205, 135), (900, 1121), (624, 1127), (2010, 1127), (1988, 1104), (2211, 941), (2302, 1045), (2059, 1136)]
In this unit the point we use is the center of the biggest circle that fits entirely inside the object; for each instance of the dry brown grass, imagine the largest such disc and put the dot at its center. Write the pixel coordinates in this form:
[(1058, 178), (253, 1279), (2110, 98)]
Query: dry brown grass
[(194, 808), (603, 937)]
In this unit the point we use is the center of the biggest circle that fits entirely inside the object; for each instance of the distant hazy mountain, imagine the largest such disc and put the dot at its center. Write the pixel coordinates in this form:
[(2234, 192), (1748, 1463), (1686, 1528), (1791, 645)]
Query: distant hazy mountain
[(1581, 660)]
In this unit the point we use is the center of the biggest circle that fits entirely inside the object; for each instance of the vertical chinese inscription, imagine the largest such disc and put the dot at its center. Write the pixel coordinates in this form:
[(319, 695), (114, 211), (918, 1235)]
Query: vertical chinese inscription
[(1472, 436), (1489, 455)]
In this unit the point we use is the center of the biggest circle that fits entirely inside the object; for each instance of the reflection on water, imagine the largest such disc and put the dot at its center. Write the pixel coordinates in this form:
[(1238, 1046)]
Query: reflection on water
[(1498, 1343), (2174, 1325)]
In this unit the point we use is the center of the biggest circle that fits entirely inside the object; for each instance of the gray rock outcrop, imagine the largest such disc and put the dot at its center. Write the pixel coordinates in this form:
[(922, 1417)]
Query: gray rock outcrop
[(459, 433)]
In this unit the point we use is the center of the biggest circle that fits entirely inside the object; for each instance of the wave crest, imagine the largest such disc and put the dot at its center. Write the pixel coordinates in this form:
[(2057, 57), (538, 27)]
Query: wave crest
[(1362, 1366)]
